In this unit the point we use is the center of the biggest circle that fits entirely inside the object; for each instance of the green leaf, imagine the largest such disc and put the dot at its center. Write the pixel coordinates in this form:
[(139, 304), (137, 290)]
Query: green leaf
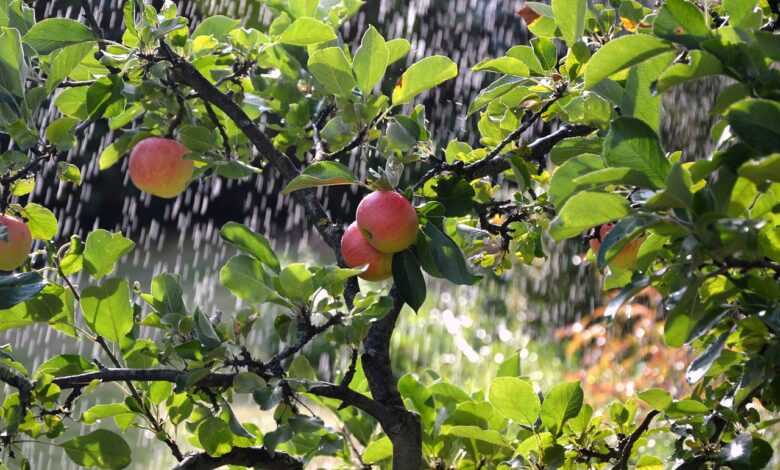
[(397, 49), (41, 222), (500, 87), (621, 53), (408, 278), (103, 250), (306, 31), (69, 173), (73, 102), (545, 51), (160, 391), (755, 122), (331, 67), (116, 150), (60, 132), (247, 382), (560, 404), (636, 284), (218, 26), (490, 436), (107, 309), (504, 65), (682, 314), (53, 304), (699, 366), (198, 139), (378, 450), (687, 407), (571, 147), (371, 60), (649, 462), (700, 64), (12, 65), (297, 282), (300, 8), (215, 436), (623, 232), (17, 288), (321, 174), (422, 76), (205, 332), (760, 170), (586, 210), (448, 257), (52, 34), (65, 61), (251, 243), (611, 176), (570, 18), (633, 144), (516, 399), (167, 295), (746, 452), (99, 449), (657, 398), (102, 411), (639, 100), (244, 277), (739, 10), (233, 423), (64, 364), (562, 185), (527, 55), (682, 22)]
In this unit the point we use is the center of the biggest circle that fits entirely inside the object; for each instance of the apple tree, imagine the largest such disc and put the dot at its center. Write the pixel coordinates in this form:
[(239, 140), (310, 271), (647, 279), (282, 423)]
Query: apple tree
[(292, 101)]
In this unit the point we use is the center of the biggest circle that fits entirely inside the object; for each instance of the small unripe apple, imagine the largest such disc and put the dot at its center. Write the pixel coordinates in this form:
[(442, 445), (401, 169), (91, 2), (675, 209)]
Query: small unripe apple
[(388, 221), (358, 252), (626, 257), (16, 244), (158, 167)]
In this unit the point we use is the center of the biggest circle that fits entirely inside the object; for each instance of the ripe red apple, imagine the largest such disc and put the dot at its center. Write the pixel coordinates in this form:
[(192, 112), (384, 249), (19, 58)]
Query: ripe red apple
[(357, 252), (626, 257), (17, 245), (158, 167), (388, 221)]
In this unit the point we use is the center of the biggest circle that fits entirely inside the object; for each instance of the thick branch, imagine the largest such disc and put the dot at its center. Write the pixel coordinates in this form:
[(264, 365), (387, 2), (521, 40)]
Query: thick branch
[(252, 457), (353, 398), (140, 375), (405, 432), (19, 382)]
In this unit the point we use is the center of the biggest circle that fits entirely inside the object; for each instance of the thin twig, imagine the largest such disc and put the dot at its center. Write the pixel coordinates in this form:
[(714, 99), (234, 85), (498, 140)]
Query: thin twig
[(628, 445)]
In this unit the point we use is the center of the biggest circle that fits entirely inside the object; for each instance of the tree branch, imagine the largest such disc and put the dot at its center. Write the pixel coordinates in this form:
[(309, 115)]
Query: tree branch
[(140, 375), (404, 431), (309, 333), (628, 445), (252, 457), (493, 166), (19, 382), (187, 74)]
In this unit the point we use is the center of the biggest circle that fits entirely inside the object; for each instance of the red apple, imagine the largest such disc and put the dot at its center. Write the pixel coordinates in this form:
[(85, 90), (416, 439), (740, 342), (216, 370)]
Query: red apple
[(626, 257), (388, 221), (158, 167), (16, 244), (358, 252)]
